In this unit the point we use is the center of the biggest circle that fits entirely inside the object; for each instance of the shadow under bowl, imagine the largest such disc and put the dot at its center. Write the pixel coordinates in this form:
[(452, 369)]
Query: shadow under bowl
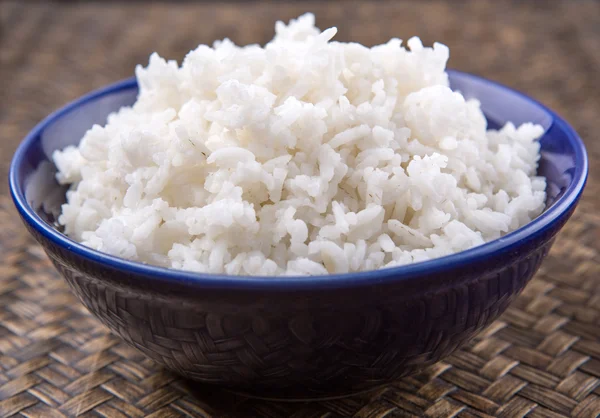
[(303, 337)]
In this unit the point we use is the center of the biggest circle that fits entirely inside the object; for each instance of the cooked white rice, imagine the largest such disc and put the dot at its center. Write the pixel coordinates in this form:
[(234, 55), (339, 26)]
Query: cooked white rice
[(304, 157)]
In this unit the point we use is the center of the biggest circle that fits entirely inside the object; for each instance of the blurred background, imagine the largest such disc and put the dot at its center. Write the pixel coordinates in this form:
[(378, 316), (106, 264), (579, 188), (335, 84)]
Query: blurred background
[(57, 361)]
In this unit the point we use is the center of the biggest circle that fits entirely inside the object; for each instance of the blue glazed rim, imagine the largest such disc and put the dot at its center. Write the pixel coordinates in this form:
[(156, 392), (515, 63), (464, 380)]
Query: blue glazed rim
[(504, 245)]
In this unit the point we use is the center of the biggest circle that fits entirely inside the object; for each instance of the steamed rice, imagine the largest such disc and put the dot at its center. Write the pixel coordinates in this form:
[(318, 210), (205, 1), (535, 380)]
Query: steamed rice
[(305, 157)]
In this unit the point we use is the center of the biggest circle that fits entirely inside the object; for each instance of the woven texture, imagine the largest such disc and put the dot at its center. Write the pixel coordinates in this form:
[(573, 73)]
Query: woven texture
[(541, 359)]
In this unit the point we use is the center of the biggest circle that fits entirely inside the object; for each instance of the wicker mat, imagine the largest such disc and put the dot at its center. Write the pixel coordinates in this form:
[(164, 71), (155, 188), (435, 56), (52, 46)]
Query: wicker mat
[(540, 359)]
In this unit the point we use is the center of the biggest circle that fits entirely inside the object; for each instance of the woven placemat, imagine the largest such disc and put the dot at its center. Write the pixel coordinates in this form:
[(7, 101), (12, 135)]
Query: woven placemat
[(540, 359)]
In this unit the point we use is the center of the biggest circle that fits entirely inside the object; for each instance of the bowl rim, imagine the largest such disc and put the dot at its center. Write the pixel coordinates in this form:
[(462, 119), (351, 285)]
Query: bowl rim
[(461, 259)]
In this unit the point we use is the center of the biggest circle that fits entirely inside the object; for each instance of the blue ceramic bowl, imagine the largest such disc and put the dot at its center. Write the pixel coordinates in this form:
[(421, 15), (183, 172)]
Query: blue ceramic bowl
[(305, 337)]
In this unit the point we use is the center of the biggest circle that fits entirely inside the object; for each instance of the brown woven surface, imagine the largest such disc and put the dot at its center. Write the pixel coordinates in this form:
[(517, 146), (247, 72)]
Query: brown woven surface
[(541, 359)]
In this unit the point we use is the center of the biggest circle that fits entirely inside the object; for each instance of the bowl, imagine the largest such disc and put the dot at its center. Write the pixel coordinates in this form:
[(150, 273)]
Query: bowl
[(300, 337)]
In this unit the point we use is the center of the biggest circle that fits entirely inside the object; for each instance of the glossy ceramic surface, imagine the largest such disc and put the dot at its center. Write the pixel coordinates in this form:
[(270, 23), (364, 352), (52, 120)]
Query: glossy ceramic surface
[(300, 337)]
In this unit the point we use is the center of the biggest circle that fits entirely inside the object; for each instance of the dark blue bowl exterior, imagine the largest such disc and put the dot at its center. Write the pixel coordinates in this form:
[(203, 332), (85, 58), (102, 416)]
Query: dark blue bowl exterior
[(306, 337)]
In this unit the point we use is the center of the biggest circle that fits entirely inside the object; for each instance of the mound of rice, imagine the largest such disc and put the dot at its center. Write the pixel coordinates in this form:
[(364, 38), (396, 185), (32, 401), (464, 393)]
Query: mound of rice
[(305, 157)]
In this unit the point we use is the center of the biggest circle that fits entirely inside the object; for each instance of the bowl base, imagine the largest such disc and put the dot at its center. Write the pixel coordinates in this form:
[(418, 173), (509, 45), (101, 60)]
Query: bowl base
[(300, 398)]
